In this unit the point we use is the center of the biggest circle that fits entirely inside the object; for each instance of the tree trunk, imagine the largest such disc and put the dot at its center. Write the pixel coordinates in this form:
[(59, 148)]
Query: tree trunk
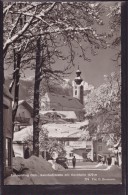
[(16, 89), (13, 81), (36, 117), (16, 77)]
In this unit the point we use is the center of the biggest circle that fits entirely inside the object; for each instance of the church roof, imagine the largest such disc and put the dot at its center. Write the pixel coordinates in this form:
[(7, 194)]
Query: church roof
[(65, 101)]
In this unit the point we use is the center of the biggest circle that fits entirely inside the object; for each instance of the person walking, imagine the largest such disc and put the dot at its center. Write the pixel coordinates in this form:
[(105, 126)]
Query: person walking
[(109, 160), (74, 162)]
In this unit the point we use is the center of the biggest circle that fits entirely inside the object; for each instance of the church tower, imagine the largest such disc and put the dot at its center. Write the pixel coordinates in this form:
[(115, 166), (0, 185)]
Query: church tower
[(78, 86)]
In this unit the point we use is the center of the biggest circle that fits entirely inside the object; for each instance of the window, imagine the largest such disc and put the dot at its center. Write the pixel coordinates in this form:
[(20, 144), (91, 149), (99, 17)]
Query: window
[(71, 154), (67, 143), (75, 92), (99, 148), (8, 152), (100, 140)]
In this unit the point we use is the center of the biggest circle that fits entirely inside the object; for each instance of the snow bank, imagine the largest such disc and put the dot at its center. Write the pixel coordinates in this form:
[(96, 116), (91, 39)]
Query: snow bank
[(34, 167), (101, 165), (56, 166), (34, 164), (113, 168)]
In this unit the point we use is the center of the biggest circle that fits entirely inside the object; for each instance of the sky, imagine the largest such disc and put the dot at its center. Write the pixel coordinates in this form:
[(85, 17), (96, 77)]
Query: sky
[(92, 72)]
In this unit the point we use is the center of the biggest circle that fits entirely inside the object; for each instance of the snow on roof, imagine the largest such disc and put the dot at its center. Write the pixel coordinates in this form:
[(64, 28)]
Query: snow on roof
[(63, 114), (31, 78), (65, 101), (55, 131), (21, 101), (64, 130), (25, 104), (76, 125), (23, 134)]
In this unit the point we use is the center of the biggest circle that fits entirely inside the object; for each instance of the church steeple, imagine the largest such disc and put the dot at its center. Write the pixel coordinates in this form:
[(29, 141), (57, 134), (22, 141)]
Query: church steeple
[(78, 78), (78, 86)]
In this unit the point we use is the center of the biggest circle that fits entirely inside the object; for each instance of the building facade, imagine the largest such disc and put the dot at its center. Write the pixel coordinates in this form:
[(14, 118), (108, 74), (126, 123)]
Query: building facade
[(24, 115), (7, 131)]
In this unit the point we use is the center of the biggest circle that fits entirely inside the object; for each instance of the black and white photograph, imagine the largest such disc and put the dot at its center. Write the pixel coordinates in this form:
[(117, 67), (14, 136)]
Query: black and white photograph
[(62, 93)]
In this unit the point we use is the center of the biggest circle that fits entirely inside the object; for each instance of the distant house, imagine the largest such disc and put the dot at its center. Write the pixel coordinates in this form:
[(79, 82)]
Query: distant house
[(23, 115), (24, 118), (101, 149), (69, 135)]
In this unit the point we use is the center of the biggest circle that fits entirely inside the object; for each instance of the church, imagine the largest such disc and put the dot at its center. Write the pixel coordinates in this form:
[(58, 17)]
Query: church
[(56, 102)]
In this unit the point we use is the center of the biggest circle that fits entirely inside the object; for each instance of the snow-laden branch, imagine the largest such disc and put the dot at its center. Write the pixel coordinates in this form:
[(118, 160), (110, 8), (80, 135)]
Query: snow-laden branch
[(68, 29), (6, 9), (14, 26), (49, 9), (16, 36)]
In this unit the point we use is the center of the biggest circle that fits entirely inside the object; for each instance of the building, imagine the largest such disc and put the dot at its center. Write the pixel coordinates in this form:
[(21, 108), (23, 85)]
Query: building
[(68, 134), (56, 102), (7, 131), (100, 149), (24, 118), (78, 87), (24, 115)]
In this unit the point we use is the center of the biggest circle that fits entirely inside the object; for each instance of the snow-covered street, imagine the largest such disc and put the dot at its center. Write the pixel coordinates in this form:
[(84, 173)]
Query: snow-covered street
[(38, 171)]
